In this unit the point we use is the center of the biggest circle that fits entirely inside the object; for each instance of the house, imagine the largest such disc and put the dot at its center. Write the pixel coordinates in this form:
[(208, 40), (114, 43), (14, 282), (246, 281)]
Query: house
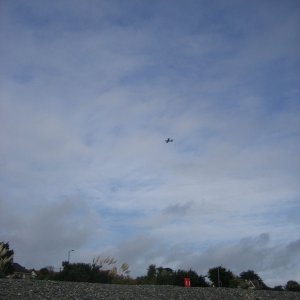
[(21, 272)]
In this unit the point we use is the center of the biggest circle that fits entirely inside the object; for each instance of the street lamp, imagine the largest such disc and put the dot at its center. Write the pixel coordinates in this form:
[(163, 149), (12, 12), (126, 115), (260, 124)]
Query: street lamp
[(69, 252)]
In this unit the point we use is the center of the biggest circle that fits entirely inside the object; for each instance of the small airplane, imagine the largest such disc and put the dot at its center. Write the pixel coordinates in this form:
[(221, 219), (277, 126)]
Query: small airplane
[(168, 140)]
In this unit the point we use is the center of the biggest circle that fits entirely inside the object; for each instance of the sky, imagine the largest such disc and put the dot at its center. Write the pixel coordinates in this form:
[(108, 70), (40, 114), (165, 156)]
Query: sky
[(90, 90)]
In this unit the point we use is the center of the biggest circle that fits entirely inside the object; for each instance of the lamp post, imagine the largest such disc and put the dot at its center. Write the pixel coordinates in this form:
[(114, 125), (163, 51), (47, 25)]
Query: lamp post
[(69, 252)]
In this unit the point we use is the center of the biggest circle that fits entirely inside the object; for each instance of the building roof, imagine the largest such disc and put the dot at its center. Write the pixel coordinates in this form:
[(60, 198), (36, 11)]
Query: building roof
[(17, 268)]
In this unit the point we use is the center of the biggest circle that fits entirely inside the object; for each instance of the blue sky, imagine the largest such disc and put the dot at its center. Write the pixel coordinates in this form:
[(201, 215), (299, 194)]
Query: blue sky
[(89, 90)]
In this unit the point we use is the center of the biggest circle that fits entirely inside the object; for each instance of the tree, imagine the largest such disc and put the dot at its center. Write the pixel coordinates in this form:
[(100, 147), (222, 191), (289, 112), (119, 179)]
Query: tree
[(250, 275), (196, 280), (151, 272), (82, 272), (6, 259), (94, 272), (165, 276), (293, 286), (220, 276), (255, 279), (46, 273)]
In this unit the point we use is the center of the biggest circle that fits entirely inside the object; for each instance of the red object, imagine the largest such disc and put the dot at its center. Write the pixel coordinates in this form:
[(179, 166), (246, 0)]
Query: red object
[(187, 282)]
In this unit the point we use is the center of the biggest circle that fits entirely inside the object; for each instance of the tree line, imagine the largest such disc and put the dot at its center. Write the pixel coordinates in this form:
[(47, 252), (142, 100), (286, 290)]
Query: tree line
[(105, 270), (217, 276)]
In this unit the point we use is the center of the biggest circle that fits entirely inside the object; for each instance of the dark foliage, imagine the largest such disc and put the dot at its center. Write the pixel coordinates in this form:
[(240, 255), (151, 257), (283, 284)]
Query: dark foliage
[(196, 280), (220, 276), (255, 278), (82, 272), (8, 268), (151, 272), (292, 286), (167, 276), (250, 275), (45, 274)]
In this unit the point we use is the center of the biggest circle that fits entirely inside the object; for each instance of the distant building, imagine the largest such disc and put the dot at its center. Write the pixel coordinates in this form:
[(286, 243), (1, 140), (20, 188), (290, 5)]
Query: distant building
[(21, 272)]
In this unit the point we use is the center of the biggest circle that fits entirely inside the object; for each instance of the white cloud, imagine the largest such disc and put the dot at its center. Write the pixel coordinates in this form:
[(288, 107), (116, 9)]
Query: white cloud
[(44, 234)]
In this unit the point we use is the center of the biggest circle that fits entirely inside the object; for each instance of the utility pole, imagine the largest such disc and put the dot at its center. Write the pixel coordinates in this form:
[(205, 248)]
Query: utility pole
[(69, 252)]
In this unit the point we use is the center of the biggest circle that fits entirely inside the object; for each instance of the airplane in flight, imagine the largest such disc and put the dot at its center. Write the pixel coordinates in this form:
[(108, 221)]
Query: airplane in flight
[(168, 140)]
